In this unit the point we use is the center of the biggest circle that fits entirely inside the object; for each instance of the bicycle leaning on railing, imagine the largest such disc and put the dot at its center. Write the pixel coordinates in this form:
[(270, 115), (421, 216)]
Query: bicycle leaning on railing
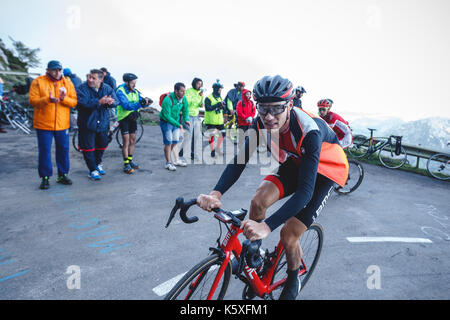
[(391, 153), (264, 276), (438, 165)]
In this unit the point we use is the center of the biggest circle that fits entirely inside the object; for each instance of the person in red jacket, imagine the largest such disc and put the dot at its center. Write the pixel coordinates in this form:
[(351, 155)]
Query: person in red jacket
[(336, 122), (246, 112)]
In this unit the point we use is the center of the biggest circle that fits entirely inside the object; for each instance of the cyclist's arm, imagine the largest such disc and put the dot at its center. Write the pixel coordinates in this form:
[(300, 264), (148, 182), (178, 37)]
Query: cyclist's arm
[(306, 181), (125, 103), (234, 170), (347, 140)]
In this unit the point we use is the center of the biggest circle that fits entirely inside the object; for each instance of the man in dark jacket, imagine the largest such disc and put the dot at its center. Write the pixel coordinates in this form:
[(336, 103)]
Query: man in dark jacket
[(94, 99), (234, 95), (108, 79), (72, 76)]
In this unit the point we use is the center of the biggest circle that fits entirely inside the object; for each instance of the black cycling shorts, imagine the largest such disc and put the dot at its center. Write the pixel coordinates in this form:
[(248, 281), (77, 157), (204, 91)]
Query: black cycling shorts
[(219, 127), (128, 126), (286, 180)]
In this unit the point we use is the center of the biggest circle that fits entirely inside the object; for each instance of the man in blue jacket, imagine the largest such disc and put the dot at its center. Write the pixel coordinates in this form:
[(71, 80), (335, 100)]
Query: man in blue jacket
[(94, 100), (108, 79)]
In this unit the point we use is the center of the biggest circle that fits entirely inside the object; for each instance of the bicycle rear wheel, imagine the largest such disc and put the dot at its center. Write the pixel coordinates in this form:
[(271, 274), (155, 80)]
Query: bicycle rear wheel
[(355, 177), (439, 166), (196, 283), (359, 149), (311, 243), (390, 159), (139, 134), (75, 144)]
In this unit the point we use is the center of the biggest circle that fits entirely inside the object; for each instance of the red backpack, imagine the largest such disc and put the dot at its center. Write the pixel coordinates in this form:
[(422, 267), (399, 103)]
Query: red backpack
[(161, 98)]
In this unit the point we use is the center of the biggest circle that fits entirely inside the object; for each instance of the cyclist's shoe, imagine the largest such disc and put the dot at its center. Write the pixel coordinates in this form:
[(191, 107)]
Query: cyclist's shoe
[(213, 154), (94, 175), (100, 169), (134, 165), (64, 179), (128, 169), (169, 166), (292, 286), (45, 183)]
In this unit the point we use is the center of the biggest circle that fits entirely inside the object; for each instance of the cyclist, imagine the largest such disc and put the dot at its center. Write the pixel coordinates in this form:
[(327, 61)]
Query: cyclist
[(336, 122), (234, 95), (214, 109), (299, 91), (127, 115), (311, 161)]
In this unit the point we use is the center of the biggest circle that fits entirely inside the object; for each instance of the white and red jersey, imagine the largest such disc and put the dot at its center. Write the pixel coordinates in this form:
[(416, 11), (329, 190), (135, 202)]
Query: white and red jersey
[(340, 127)]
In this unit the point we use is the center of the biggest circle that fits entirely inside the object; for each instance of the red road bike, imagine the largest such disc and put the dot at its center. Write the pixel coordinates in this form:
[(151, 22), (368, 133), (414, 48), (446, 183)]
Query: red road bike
[(264, 275)]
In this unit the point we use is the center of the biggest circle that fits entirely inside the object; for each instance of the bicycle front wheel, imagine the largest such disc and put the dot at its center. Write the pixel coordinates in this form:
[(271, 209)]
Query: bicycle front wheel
[(355, 177), (390, 159), (197, 283), (439, 166), (311, 243)]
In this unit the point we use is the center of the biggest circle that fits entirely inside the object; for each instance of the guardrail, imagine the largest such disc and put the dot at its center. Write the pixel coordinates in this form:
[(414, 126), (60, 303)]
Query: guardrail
[(411, 150)]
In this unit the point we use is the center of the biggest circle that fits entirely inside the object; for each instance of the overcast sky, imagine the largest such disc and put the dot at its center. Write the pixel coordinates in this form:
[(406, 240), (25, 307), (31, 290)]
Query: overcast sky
[(380, 58)]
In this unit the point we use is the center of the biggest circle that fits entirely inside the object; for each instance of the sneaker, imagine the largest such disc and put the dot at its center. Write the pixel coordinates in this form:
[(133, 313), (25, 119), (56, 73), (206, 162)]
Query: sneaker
[(45, 183), (64, 179), (134, 165), (292, 286), (100, 169), (180, 163), (169, 166), (94, 175), (213, 153), (128, 169)]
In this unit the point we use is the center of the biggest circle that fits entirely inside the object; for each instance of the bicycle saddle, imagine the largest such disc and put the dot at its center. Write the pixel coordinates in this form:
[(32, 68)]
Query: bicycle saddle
[(371, 129)]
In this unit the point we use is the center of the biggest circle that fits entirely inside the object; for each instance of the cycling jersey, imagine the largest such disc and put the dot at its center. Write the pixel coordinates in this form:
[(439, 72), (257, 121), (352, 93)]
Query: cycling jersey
[(311, 144), (340, 127)]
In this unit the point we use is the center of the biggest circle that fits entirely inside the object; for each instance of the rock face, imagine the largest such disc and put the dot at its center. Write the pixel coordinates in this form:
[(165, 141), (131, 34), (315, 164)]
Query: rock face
[(151, 114)]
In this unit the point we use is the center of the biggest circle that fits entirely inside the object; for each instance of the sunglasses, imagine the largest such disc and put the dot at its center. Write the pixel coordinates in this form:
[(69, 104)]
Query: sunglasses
[(273, 110), (322, 109)]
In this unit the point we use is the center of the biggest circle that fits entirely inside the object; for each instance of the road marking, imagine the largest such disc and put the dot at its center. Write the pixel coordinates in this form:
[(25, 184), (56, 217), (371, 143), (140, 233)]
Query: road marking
[(388, 239)]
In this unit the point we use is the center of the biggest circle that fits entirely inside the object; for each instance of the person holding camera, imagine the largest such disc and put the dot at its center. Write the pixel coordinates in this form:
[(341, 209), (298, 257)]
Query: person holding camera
[(52, 97), (127, 114), (214, 110), (94, 100)]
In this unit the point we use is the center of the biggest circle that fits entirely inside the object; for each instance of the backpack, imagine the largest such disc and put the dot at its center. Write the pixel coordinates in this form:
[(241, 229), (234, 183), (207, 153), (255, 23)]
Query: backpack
[(161, 98)]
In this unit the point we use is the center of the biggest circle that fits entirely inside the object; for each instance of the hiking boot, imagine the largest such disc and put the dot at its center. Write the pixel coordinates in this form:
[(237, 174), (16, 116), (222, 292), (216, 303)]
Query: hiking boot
[(134, 165), (64, 179), (128, 169), (94, 175), (100, 169), (45, 183)]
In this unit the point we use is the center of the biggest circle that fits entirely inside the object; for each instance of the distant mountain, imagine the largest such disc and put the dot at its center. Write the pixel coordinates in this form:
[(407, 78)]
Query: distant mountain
[(432, 133)]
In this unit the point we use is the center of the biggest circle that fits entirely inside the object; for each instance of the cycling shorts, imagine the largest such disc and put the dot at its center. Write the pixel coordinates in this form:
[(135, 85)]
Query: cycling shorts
[(128, 126), (286, 180)]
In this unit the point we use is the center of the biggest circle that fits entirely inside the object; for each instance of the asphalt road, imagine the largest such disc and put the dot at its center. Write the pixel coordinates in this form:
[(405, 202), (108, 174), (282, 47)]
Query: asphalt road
[(112, 231)]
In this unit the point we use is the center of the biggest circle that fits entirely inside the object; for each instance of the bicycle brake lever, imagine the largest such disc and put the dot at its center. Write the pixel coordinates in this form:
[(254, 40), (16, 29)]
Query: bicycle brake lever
[(177, 206)]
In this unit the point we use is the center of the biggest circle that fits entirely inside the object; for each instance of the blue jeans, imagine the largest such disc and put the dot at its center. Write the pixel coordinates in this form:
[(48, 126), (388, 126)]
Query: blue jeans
[(45, 139)]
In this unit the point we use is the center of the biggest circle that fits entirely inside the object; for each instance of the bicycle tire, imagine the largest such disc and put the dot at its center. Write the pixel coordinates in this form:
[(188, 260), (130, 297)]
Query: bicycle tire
[(443, 169), (198, 274), (394, 161), (314, 232), (75, 140), (139, 134), (349, 188), (359, 150)]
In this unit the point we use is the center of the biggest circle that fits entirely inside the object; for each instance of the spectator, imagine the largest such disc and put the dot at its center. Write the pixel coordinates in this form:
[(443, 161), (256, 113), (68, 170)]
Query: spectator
[(174, 103), (73, 77), (297, 102), (246, 112), (214, 109), (2, 130), (234, 95), (52, 96), (192, 137), (108, 79), (127, 114), (94, 99)]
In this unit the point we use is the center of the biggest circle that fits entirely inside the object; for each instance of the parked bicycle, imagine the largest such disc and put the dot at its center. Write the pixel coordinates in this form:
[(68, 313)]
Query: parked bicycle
[(264, 276), (14, 114), (114, 131), (391, 152), (438, 165), (355, 178)]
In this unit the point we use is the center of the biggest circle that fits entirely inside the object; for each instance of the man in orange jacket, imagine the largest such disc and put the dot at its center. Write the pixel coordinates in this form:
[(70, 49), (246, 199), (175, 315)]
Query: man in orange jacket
[(52, 96)]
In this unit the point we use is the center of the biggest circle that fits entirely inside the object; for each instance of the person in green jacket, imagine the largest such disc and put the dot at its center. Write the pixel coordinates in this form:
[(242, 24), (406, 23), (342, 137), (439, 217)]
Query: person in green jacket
[(171, 107), (192, 138)]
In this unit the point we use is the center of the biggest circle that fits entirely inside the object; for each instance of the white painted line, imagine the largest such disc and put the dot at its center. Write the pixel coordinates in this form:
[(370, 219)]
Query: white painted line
[(165, 287), (388, 239)]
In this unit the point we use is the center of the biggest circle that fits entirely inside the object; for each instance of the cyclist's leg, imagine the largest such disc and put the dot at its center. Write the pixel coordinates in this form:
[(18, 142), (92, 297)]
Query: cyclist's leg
[(266, 195)]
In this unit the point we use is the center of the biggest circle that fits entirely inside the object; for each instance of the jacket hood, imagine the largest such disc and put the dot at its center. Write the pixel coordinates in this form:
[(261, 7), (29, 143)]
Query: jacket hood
[(244, 98)]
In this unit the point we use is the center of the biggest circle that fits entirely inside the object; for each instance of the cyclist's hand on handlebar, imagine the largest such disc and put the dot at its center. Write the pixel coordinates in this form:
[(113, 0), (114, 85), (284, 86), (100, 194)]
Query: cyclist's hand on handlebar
[(209, 202), (255, 230)]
